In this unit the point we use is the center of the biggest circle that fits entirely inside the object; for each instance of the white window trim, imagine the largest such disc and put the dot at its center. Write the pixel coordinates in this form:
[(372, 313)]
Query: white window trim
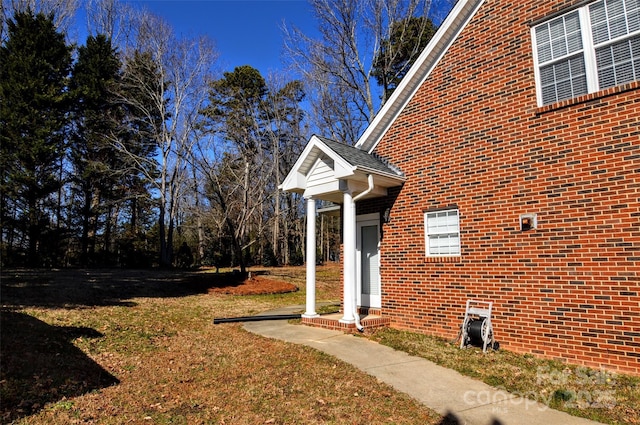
[(427, 234), (588, 50)]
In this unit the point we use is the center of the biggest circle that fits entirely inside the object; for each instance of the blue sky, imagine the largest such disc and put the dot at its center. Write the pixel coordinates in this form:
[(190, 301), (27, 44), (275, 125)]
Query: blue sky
[(246, 32)]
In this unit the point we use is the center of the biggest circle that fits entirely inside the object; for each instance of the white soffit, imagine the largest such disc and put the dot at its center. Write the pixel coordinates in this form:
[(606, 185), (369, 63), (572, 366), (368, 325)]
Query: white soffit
[(315, 151)]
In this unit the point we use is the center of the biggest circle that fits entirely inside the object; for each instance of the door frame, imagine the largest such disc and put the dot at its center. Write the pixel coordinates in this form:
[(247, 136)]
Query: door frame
[(374, 301)]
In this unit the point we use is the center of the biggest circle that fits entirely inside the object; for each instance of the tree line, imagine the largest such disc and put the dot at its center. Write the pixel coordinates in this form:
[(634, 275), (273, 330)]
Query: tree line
[(129, 151)]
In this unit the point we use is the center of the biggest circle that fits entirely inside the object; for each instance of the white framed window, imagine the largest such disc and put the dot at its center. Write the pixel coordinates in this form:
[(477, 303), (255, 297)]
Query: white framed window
[(442, 233), (586, 50)]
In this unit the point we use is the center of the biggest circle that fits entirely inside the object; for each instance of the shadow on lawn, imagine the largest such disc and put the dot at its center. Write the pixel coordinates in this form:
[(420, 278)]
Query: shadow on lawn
[(72, 288), (39, 365)]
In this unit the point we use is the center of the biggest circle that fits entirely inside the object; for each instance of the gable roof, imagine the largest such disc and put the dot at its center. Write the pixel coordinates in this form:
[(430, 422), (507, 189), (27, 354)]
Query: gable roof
[(325, 165), (452, 26), (359, 158)]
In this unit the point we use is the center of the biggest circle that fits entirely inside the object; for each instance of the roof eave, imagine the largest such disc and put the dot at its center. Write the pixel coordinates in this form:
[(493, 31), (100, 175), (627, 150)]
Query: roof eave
[(393, 177), (295, 181)]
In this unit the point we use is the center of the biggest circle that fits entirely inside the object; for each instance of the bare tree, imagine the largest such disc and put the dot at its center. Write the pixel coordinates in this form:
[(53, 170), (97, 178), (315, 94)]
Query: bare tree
[(234, 111), (171, 107), (256, 131), (113, 18), (338, 67), (286, 136), (63, 12)]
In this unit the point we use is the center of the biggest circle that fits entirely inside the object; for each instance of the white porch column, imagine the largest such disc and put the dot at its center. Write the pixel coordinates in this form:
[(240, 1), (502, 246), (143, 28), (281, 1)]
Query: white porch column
[(349, 258), (311, 259)]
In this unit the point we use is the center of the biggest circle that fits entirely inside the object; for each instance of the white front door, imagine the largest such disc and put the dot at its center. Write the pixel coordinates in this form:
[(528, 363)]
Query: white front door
[(368, 260)]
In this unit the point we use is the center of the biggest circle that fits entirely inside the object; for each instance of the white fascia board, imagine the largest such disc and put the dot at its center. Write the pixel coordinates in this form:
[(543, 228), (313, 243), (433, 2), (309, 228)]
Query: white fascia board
[(448, 32), (344, 172), (296, 180), (390, 176)]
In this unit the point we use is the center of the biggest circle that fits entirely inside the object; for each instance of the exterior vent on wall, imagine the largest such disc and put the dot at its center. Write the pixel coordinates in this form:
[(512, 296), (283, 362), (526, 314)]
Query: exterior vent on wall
[(528, 222)]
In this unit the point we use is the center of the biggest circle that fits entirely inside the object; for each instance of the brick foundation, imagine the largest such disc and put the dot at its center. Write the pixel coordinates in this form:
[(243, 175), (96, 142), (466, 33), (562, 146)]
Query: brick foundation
[(370, 319)]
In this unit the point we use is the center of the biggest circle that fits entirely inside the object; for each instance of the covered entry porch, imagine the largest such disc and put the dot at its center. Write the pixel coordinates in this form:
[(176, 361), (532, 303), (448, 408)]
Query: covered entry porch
[(331, 171)]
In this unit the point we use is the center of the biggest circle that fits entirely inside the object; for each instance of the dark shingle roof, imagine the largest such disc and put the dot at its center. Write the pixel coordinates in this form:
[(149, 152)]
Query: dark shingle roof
[(360, 158)]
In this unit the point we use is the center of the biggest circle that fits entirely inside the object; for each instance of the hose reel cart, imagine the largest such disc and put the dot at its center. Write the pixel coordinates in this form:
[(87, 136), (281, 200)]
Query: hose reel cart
[(477, 329)]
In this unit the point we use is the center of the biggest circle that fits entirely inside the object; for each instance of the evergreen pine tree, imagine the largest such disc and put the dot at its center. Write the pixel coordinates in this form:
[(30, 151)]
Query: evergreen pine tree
[(406, 41), (95, 161), (34, 67)]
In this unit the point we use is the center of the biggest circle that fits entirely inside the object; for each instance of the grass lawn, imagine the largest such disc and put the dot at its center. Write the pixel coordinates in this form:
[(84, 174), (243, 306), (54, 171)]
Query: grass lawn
[(113, 347), (595, 394)]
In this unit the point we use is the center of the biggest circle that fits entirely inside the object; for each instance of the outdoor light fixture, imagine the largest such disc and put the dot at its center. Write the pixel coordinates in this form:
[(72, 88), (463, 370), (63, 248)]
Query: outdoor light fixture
[(386, 215), (528, 222)]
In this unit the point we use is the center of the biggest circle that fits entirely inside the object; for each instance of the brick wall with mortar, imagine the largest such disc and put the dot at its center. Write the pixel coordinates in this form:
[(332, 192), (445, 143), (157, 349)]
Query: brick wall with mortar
[(473, 137)]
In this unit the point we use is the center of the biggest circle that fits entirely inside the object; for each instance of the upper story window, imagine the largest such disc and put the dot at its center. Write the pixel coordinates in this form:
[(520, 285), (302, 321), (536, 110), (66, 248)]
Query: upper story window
[(442, 233), (588, 49)]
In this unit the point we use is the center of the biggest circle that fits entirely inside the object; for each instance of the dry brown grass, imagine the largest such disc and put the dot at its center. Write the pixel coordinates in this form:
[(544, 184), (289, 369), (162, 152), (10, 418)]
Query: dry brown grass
[(599, 395), (114, 347), (109, 347)]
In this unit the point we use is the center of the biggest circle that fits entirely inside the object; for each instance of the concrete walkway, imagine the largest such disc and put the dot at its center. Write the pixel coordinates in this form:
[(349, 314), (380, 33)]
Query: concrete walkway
[(461, 400)]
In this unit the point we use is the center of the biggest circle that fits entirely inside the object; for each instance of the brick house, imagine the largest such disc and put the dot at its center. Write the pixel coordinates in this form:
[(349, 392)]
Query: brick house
[(506, 168)]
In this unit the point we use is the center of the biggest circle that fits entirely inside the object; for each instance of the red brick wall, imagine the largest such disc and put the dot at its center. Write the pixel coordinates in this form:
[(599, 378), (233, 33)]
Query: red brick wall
[(474, 137)]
